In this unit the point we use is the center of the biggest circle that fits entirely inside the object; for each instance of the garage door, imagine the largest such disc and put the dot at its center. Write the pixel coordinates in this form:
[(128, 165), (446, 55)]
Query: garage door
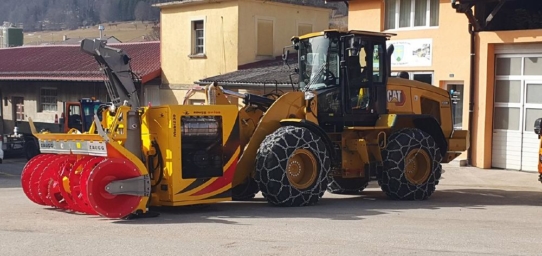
[(518, 103)]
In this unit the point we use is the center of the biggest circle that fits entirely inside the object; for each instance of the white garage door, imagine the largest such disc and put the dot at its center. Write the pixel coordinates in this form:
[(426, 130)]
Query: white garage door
[(518, 103)]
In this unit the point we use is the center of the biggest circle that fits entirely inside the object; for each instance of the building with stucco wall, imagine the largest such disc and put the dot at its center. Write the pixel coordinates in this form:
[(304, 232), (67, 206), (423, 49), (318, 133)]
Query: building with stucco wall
[(487, 53), (201, 38)]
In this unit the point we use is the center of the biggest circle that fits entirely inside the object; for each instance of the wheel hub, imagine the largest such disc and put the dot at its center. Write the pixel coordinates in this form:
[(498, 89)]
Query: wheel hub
[(417, 166), (301, 169)]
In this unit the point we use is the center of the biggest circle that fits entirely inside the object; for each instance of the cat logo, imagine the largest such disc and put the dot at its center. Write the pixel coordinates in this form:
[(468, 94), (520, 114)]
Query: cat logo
[(397, 97)]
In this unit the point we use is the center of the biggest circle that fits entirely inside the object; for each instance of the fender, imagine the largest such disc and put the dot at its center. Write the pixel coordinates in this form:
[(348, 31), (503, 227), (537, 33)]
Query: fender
[(428, 124), (313, 128)]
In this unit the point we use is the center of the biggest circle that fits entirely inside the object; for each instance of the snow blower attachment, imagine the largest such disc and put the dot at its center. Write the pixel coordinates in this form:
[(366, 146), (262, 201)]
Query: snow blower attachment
[(100, 172)]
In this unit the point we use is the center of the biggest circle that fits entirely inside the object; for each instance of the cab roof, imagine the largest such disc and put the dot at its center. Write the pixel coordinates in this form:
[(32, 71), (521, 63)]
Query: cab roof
[(355, 32)]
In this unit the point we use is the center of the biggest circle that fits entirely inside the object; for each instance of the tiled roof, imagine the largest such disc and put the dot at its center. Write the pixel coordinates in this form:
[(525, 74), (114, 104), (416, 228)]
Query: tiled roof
[(69, 63), (267, 72)]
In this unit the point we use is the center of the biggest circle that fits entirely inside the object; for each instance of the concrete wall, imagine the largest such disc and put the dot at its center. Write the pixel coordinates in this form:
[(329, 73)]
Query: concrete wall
[(30, 91)]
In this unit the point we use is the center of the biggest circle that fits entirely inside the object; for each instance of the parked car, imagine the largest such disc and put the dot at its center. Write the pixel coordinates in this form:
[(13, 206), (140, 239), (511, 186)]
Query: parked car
[(1, 149)]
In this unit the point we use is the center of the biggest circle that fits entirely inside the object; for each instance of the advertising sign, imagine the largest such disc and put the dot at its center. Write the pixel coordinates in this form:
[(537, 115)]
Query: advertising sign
[(411, 53)]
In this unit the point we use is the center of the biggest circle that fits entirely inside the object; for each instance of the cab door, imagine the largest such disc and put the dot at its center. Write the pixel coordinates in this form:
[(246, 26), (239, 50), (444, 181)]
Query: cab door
[(74, 117), (364, 83)]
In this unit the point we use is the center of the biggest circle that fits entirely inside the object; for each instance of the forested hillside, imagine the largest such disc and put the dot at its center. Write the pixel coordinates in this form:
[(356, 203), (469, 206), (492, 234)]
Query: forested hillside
[(71, 14)]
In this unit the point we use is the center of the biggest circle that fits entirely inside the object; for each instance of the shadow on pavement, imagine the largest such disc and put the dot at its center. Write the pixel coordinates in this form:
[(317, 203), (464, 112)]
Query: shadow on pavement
[(10, 172), (341, 208), (8, 180)]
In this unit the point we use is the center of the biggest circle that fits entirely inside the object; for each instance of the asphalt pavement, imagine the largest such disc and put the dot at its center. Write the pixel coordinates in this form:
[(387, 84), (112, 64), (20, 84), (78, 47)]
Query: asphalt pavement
[(473, 212)]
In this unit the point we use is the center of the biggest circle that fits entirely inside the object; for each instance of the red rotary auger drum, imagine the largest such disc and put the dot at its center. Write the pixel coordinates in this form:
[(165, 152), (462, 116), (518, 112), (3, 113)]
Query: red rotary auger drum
[(80, 183)]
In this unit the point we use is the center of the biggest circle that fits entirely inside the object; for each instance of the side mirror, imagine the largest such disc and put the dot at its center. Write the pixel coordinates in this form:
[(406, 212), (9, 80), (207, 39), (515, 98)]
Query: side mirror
[(538, 126)]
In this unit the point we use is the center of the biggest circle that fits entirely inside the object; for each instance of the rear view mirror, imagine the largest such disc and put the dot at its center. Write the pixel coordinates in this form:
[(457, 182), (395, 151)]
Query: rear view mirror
[(538, 126)]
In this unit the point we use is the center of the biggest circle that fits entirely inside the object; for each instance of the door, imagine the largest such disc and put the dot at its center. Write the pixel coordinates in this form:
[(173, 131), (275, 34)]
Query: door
[(74, 118), (508, 113), (17, 109), (518, 86), (456, 92), (532, 110), (507, 132)]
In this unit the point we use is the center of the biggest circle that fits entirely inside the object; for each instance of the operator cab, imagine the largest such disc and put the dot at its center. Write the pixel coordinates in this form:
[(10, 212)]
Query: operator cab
[(347, 72)]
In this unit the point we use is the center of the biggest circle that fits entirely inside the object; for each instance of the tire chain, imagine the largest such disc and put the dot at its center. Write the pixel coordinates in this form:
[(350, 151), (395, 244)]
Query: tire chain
[(278, 190), (395, 185)]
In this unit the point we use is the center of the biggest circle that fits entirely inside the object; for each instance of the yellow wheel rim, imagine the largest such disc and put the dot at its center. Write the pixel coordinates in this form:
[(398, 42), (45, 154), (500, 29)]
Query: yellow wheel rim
[(417, 166), (301, 169)]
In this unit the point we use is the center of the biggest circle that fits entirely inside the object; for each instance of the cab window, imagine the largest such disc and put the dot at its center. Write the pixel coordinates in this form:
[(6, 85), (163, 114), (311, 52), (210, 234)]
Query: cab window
[(360, 67)]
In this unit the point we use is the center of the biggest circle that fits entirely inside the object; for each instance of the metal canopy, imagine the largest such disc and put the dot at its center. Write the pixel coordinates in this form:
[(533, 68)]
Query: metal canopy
[(465, 6)]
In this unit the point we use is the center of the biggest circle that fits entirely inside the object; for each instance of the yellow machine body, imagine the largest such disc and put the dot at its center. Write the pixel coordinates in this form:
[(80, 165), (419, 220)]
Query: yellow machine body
[(182, 133)]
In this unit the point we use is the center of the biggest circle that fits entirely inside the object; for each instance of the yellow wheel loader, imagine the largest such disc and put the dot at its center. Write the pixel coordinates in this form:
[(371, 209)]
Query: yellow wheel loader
[(349, 123)]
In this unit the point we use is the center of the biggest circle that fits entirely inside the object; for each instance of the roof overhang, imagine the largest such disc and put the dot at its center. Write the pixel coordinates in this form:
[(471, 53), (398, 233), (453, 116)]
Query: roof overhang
[(150, 76), (70, 77), (183, 3), (355, 32), (49, 79), (475, 21), (177, 4), (245, 85)]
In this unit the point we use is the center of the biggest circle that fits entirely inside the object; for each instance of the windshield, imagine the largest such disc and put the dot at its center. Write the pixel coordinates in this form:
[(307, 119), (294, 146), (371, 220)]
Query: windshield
[(90, 110), (318, 63)]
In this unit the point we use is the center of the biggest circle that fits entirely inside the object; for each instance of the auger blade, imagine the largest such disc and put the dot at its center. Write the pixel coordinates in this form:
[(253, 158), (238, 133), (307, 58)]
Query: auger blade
[(59, 199), (35, 179), (48, 176), (78, 183), (107, 204), (26, 176)]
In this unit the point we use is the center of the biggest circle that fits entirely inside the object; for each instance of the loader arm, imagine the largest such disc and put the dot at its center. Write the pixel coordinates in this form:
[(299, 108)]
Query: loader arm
[(116, 65)]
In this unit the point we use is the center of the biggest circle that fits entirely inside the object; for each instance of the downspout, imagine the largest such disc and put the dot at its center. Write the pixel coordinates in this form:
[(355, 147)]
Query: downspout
[(471, 90)]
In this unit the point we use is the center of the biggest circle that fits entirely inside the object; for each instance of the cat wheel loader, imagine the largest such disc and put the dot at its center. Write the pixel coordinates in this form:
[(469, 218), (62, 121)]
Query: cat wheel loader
[(349, 123)]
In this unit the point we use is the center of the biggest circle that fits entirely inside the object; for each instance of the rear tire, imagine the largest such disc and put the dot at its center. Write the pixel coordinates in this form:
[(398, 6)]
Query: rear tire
[(412, 165), (346, 186), (292, 165)]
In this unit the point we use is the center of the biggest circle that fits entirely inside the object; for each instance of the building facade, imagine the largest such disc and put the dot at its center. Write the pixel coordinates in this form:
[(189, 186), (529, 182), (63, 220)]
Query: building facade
[(201, 39), (492, 49), (36, 81)]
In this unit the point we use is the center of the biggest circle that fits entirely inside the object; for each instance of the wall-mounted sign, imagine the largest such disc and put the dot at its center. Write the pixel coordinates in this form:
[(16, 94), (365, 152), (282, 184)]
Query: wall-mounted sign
[(412, 52)]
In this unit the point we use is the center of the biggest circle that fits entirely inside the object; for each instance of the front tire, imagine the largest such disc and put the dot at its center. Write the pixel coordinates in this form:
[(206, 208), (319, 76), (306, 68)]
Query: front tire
[(292, 165), (412, 165)]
